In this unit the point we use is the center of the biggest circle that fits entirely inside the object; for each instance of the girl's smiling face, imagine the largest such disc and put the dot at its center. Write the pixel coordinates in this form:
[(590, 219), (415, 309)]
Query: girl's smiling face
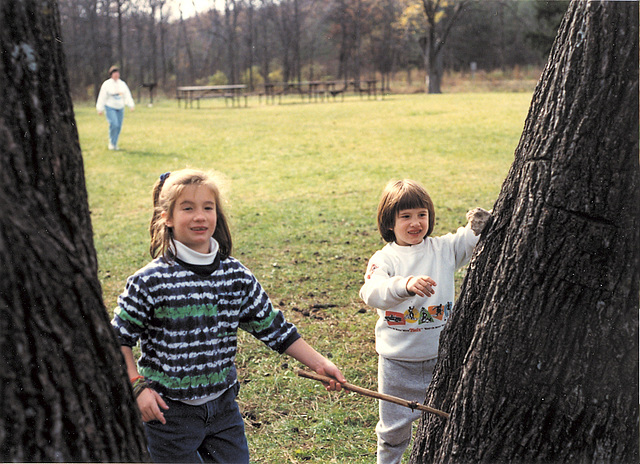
[(194, 218), (411, 226)]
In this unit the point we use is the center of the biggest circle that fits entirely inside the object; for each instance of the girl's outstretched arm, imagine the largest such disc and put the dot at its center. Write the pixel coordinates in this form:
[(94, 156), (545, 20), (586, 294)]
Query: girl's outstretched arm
[(149, 401), (304, 353)]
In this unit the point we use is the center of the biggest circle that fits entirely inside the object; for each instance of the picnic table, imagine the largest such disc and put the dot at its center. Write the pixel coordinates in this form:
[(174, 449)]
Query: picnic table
[(320, 89), (370, 87), (189, 94), (308, 89)]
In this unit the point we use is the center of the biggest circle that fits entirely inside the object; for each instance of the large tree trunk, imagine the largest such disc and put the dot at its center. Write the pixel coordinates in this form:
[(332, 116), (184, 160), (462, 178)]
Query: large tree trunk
[(539, 361), (64, 395)]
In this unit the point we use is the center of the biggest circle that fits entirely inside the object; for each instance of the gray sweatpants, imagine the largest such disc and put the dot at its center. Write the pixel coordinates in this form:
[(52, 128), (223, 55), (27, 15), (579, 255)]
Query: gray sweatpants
[(409, 381)]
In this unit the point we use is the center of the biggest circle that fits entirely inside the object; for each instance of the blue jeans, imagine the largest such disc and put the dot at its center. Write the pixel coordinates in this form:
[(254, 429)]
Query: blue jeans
[(115, 118), (212, 432)]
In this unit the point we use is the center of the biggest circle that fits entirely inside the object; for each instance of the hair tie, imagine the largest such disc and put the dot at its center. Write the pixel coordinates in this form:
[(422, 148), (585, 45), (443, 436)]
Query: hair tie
[(163, 177)]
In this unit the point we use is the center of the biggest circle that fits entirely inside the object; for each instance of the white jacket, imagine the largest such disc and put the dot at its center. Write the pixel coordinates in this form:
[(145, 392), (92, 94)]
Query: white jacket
[(409, 327), (114, 94)]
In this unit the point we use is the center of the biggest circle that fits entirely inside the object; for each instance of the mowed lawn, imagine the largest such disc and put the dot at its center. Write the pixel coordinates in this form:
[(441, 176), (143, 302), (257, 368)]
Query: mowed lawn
[(301, 184)]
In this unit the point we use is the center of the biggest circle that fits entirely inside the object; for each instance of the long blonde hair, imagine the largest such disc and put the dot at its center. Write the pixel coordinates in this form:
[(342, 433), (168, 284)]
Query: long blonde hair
[(166, 191)]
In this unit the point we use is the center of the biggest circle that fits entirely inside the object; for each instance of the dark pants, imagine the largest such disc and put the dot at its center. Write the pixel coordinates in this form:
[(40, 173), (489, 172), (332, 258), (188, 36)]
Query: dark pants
[(212, 432)]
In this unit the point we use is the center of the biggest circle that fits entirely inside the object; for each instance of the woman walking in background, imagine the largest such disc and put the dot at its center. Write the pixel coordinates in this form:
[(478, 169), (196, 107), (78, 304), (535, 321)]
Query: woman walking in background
[(114, 95)]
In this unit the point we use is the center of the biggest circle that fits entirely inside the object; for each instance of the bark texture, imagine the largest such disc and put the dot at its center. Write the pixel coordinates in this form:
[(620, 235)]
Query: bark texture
[(539, 361), (64, 392)]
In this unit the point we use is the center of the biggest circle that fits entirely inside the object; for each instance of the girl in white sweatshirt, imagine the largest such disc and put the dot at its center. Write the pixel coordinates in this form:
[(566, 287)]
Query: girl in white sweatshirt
[(410, 282)]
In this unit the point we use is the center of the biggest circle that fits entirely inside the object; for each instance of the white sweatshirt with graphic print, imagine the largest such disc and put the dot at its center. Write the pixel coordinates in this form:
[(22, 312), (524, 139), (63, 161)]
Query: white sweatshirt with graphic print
[(409, 326)]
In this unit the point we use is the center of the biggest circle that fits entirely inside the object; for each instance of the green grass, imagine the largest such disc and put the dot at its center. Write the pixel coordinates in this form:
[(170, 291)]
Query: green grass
[(302, 182)]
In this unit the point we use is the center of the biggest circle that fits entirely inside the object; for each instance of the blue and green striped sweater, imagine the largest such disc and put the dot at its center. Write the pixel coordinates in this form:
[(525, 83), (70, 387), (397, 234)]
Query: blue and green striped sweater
[(187, 317)]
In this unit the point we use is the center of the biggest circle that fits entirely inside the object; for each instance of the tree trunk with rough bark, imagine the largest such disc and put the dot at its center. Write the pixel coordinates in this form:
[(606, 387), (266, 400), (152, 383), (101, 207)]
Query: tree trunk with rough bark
[(539, 361), (64, 392)]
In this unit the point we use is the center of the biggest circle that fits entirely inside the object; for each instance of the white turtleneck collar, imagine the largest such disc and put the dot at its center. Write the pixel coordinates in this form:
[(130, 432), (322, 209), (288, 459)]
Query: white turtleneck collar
[(186, 254)]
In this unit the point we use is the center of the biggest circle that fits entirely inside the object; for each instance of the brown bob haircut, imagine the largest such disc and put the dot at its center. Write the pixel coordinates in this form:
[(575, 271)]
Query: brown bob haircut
[(400, 195)]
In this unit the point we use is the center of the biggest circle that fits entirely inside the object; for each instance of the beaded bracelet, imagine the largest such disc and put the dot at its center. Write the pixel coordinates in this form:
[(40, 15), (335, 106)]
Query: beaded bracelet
[(139, 384)]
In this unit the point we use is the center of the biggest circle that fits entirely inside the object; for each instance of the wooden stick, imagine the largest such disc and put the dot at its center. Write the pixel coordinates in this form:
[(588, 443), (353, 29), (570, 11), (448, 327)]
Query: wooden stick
[(374, 394)]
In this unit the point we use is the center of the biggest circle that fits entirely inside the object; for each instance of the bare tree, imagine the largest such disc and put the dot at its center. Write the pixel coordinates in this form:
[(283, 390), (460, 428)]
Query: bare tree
[(348, 17), (297, 24), (250, 40), (265, 67), (231, 12), (98, 46), (153, 42), (539, 362), (64, 391), (441, 16), (163, 45), (282, 18), (190, 65), (384, 40), (121, 61)]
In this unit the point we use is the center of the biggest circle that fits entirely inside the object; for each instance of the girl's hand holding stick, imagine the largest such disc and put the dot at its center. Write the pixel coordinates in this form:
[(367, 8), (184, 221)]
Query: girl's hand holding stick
[(374, 394)]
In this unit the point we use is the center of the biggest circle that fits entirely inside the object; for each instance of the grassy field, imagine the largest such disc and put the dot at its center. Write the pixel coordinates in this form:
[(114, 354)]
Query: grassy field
[(302, 182)]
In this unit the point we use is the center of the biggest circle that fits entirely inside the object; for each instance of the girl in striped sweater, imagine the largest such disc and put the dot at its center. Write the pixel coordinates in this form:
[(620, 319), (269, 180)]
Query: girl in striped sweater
[(185, 308)]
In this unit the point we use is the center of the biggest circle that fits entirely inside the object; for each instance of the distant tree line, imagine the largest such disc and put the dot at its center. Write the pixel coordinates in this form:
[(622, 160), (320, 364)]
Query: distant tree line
[(258, 41)]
